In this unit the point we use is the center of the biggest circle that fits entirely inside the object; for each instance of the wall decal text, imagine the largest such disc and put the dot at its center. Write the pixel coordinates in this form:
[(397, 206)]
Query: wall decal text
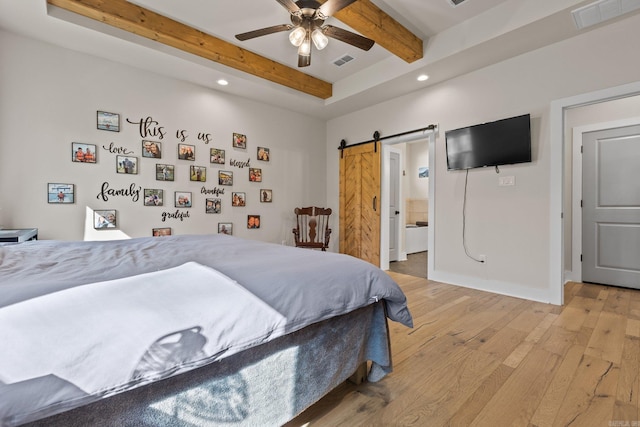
[(133, 191)]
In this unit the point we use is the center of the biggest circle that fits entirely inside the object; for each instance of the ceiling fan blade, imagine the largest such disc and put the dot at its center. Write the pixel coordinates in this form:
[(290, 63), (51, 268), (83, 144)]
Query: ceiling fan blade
[(263, 32), (348, 37), (332, 6), (290, 5)]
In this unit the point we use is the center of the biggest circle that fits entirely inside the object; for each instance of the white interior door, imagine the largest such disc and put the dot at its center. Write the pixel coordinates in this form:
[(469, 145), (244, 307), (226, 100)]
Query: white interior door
[(394, 205), (611, 207)]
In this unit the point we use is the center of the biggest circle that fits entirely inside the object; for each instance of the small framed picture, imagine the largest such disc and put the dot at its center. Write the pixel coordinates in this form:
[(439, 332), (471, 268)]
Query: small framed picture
[(186, 152), (238, 199), (152, 149), (165, 172), (153, 197), (104, 219), (108, 121), (84, 153), (253, 221), (239, 140), (127, 164), (225, 228), (263, 154), (213, 206), (198, 173), (163, 231), (61, 193), (255, 175), (225, 178), (266, 196), (217, 156), (183, 199)]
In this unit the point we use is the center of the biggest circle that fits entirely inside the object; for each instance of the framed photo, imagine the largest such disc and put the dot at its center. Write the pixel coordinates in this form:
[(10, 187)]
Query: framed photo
[(127, 164), (152, 149), (198, 173), (225, 178), (183, 199), (213, 206), (84, 153), (423, 172), (163, 231), (108, 121), (186, 152), (238, 199), (263, 154), (255, 175), (165, 172), (239, 140), (61, 193), (225, 228), (253, 221), (104, 219), (216, 156), (153, 197), (266, 196)]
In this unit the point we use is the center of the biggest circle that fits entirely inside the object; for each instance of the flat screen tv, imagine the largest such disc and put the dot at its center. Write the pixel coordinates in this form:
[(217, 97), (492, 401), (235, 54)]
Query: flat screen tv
[(503, 142)]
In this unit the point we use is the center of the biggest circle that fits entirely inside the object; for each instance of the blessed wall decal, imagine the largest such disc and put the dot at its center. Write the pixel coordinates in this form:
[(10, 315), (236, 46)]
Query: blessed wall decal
[(240, 164)]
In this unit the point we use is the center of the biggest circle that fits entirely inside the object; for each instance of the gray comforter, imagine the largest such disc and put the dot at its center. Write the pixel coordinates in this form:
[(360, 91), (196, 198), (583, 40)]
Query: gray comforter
[(257, 292)]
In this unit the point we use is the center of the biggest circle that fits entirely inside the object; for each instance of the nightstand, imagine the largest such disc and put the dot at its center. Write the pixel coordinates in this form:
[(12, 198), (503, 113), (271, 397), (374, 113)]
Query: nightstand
[(18, 235)]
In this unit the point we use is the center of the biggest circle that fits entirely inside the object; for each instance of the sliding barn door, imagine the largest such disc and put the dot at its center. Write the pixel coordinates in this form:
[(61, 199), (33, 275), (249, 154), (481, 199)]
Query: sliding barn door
[(360, 202)]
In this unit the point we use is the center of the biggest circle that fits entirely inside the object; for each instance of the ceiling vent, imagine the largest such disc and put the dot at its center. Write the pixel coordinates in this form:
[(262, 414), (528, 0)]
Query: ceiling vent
[(455, 3), (343, 60), (601, 11)]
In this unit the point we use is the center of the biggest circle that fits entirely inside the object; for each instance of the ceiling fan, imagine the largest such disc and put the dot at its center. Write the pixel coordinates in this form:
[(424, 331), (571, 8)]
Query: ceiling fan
[(307, 25)]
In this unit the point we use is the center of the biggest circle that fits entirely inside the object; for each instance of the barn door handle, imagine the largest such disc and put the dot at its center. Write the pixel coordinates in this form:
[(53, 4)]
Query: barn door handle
[(375, 200)]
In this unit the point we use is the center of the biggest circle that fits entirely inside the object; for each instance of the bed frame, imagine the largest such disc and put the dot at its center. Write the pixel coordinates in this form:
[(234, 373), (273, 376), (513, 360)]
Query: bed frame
[(267, 385)]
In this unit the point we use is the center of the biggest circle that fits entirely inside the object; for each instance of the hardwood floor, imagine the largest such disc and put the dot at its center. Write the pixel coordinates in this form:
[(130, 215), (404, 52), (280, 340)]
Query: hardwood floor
[(478, 359)]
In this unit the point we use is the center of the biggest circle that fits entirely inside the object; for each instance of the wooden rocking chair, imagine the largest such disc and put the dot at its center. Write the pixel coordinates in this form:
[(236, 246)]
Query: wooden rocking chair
[(312, 228)]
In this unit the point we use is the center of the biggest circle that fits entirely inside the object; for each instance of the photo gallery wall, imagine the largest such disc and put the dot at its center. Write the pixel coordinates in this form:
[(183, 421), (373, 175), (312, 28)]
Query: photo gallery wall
[(210, 167)]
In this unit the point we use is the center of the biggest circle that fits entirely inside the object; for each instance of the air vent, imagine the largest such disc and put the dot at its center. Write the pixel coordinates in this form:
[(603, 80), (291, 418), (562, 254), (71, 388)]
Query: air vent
[(343, 60), (601, 11), (455, 3)]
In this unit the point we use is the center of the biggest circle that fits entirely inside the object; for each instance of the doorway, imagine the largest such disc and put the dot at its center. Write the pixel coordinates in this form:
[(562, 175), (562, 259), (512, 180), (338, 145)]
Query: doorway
[(563, 185), (611, 207), (415, 193), (594, 257)]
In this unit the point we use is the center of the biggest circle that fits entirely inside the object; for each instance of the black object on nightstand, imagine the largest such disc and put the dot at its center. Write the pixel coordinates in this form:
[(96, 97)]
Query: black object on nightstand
[(18, 235)]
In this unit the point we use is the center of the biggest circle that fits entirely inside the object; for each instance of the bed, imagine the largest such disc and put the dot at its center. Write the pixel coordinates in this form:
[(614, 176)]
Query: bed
[(195, 330)]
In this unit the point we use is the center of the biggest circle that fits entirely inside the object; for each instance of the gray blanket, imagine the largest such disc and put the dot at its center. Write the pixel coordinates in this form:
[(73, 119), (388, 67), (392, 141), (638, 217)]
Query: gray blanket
[(302, 286)]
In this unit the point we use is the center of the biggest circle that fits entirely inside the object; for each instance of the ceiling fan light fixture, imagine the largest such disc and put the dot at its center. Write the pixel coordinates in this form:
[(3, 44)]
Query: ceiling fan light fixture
[(319, 39), (297, 36), (305, 48)]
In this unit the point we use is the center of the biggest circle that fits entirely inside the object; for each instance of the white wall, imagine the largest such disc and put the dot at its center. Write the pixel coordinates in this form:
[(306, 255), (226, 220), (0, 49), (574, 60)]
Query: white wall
[(417, 157), (510, 225), (48, 99)]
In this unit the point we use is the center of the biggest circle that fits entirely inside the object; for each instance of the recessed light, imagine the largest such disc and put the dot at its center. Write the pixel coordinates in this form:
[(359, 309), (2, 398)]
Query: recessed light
[(223, 82), (422, 77)]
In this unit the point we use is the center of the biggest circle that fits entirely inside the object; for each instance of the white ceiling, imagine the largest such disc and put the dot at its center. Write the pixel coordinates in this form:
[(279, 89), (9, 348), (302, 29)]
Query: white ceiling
[(456, 40)]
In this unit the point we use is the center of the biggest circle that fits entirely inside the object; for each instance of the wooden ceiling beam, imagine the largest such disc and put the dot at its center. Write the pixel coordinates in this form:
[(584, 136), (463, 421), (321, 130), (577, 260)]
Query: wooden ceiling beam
[(145, 23), (372, 22)]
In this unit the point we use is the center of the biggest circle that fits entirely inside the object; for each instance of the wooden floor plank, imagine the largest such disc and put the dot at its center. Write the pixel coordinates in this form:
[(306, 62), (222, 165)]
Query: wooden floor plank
[(591, 395)]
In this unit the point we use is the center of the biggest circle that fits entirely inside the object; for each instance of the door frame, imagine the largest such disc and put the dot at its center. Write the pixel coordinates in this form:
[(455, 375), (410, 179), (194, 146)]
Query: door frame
[(430, 138), (576, 230), (557, 177)]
